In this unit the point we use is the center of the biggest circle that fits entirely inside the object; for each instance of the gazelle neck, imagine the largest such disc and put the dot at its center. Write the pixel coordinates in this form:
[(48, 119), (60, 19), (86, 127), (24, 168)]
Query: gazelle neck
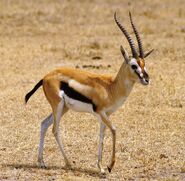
[(122, 84)]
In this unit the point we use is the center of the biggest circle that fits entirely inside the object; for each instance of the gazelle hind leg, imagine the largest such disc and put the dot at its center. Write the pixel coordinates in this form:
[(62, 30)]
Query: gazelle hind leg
[(58, 114), (100, 148), (46, 123)]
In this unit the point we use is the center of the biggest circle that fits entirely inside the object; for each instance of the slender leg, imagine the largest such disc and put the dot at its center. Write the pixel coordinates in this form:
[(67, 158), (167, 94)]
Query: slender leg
[(57, 118), (107, 122), (100, 148), (46, 123)]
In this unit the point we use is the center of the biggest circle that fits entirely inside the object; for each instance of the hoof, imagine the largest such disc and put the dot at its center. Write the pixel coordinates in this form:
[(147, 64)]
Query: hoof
[(110, 166), (42, 165), (102, 171), (109, 169)]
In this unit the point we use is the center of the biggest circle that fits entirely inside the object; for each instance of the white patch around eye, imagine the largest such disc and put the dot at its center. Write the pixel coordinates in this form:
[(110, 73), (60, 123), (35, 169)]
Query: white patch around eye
[(133, 61), (139, 70)]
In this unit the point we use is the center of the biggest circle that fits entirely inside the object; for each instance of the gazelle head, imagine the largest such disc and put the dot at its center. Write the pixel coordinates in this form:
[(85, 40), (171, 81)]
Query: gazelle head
[(135, 62)]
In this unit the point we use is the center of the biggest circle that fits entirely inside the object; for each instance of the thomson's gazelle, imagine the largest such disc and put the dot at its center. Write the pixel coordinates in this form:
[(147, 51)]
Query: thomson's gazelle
[(101, 95)]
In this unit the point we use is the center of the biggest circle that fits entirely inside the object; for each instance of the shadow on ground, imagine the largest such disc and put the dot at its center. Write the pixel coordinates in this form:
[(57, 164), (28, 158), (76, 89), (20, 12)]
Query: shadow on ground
[(90, 172)]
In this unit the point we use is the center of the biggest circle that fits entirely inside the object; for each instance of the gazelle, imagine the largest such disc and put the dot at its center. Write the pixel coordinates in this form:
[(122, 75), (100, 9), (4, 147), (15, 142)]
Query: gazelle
[(83, 91)]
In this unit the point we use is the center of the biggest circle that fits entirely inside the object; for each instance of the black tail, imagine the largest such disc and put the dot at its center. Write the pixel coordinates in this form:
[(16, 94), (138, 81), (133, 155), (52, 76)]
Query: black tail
[(29, 94)]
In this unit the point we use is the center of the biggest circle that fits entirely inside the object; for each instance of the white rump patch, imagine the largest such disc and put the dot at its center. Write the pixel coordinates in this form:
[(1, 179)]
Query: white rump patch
[(61, 94)]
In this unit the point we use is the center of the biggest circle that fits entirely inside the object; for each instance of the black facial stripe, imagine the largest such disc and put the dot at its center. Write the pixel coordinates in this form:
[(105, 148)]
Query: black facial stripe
[(70, 92), (145, 75), (138, 74)]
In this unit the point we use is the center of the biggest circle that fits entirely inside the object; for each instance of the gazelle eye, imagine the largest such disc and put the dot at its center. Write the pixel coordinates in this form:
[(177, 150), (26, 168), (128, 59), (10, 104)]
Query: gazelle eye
[(134, 67)]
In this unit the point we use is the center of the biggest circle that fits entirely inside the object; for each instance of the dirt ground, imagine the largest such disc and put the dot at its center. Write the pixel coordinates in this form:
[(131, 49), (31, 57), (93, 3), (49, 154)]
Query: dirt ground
[(38, 36)]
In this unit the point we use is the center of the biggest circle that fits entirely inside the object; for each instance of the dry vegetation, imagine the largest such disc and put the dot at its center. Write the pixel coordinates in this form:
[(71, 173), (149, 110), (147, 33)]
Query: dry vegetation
[(38, 36)]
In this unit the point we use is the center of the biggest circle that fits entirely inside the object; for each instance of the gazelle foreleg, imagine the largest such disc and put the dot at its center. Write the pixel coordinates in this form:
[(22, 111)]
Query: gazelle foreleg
[(100, 148), (107, 122), (57, 116), (46, 123)]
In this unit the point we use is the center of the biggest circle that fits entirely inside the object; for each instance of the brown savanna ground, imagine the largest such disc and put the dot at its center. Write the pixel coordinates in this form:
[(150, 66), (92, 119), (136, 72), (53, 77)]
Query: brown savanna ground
[(38, 36)]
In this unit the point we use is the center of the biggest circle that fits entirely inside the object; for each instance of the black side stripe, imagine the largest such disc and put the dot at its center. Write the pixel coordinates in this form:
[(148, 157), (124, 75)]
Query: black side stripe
[(70, 92)]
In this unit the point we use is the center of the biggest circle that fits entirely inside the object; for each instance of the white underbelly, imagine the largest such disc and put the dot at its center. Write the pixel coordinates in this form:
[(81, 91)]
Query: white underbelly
[(76, 105)]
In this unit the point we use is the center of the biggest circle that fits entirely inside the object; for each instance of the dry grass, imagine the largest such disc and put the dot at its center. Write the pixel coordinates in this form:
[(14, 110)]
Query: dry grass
[(38, 36)]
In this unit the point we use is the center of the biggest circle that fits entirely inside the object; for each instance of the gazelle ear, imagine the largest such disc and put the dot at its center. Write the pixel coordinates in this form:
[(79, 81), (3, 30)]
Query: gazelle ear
[(125, 54), (146, 55)]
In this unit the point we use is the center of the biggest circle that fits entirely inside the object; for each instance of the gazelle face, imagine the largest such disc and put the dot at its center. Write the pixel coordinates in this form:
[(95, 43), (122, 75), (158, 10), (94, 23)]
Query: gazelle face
[(138, 71), (136, 64)]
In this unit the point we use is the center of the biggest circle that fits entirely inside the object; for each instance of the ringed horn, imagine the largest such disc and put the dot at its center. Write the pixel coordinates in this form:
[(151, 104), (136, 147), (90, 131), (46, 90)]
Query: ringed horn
[(131, 43)]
